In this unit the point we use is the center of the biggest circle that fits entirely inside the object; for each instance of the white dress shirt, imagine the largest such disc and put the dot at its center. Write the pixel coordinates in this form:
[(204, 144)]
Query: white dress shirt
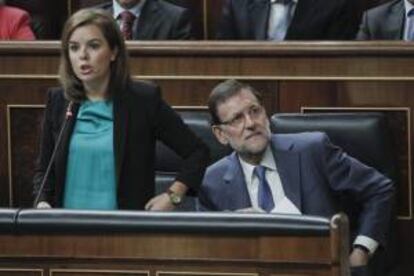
[(409, 21), (282, 203), (278, 12)]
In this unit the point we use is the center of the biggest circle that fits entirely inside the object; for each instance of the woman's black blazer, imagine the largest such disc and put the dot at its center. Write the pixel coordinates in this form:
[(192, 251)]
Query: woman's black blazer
[(140, 118)]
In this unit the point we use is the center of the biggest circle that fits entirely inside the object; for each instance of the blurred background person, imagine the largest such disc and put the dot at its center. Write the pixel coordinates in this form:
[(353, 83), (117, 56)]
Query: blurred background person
[(14, 23), (288, 20), (390, 21), (151, 19), (109, 126)]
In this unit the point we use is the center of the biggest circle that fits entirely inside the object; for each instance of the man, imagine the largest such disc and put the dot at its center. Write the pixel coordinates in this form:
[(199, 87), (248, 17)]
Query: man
[(390, 21), (151, 19), (288, 20), (289, 173)]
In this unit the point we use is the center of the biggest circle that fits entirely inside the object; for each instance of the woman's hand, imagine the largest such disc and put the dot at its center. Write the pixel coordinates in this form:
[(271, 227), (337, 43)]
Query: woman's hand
[(43, 205), (160, 202), (163, 202)]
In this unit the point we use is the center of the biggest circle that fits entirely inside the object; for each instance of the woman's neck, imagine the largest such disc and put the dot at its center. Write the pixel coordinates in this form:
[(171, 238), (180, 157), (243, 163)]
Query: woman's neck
[(96, 91)]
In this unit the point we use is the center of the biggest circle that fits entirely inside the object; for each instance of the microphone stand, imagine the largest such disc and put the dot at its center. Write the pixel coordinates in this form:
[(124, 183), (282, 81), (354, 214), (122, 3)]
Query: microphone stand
[(52, 158)]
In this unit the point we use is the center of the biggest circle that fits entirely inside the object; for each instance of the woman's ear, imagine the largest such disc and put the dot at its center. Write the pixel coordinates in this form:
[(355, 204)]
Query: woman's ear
[(114, 54)]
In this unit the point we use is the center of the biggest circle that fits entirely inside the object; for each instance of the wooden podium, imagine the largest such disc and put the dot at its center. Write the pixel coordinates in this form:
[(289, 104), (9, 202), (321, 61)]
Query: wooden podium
[(68, 243)]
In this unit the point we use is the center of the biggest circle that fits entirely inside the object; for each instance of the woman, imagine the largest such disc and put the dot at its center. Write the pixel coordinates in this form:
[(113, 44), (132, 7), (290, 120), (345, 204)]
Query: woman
[(14, 23), (109, 125)]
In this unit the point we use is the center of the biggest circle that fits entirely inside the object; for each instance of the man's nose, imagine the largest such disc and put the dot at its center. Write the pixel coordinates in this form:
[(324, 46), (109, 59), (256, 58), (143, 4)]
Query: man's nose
[(249, 122)]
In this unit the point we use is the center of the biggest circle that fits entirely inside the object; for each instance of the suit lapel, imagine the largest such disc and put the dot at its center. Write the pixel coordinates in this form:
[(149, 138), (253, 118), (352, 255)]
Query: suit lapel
[(235, 187), (258, 12), (120, 132), (393, 28), (288, 166), (148, 21), (300, 17)]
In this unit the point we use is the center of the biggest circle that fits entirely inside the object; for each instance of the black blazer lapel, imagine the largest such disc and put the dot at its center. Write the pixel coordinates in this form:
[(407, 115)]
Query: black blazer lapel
[(235, 191), (258, 12), (288, 166), (120, 133)]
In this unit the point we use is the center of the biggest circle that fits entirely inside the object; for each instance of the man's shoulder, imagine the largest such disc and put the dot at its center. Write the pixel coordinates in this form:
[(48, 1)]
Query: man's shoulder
[(170, 6), (220, 167), (384, 9), (106, 6), (298, 141)]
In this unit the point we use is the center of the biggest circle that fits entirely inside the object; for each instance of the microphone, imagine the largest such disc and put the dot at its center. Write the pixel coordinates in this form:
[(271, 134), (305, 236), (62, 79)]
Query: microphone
[(68, 116)]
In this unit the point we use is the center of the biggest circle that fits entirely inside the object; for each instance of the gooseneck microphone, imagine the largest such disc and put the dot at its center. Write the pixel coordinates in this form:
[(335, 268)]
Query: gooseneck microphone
[(68, 115)]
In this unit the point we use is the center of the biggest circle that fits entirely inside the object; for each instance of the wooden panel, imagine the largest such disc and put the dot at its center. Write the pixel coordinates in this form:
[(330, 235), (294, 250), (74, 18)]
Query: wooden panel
[(200, 273), (169, 252), (27, 92), (187, 247), (24, 131), (96, 272), (20, 272)]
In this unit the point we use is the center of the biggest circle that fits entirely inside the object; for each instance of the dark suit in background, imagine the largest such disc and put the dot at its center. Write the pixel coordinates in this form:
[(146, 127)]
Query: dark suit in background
[(161, 20), (312, 20), (140, 117), (385, 22)]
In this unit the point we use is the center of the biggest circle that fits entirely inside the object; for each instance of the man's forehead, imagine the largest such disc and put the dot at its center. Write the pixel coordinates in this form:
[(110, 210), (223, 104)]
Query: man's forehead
[(237, 102)]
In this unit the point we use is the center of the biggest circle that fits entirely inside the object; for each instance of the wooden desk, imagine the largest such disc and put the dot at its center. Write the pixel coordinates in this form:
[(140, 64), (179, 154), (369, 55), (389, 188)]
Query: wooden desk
[(138, 243)]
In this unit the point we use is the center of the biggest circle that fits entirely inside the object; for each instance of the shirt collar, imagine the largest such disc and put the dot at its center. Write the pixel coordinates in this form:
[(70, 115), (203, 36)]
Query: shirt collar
[(408, 7), (268, 161), (135, 10)]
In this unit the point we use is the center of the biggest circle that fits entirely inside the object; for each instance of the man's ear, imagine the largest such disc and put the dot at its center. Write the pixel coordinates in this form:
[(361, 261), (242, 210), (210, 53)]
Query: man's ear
[(221, 137)]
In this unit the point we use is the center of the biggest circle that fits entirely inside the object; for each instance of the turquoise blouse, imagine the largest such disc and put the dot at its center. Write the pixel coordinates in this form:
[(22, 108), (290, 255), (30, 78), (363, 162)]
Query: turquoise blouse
[(90, 178)]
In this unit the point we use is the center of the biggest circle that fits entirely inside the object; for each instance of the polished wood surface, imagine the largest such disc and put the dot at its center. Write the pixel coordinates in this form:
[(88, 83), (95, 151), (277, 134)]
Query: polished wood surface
[(172, 253), (376, 76)]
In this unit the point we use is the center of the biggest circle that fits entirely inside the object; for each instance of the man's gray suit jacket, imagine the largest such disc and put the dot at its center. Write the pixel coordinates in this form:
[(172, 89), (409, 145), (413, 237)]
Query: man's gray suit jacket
[(385, 22), (315, 174)]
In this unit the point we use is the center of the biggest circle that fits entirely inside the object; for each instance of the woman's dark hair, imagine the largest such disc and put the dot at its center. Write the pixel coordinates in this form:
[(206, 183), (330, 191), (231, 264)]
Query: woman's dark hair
[(119, 71)]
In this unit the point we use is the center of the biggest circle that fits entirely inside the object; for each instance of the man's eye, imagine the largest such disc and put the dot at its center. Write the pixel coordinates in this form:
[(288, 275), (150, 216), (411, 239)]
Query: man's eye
[(237, 119), (255, 110)]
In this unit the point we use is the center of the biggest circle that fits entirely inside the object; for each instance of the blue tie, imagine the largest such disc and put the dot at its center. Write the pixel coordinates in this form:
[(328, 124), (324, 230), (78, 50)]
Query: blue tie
[(265, 197)]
